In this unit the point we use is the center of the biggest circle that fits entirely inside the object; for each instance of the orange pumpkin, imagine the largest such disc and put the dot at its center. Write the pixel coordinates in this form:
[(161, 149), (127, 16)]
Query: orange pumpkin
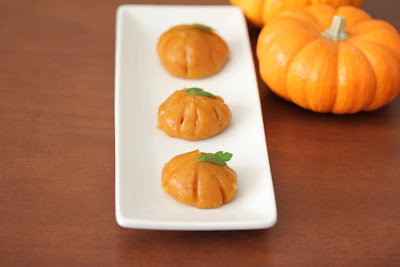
[(260, 11), (352, 66)]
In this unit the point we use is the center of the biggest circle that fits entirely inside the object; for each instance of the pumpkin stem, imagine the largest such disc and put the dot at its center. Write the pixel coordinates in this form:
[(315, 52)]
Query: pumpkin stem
[(336, 32)]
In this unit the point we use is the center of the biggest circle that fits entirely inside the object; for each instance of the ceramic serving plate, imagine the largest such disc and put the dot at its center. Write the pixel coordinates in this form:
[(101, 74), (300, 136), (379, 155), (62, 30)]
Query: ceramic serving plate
[(141, 85)]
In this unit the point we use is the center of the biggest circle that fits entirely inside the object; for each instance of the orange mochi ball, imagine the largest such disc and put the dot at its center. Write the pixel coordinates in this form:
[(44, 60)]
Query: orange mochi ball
[(192, 51), (193, 114), (202, 184)]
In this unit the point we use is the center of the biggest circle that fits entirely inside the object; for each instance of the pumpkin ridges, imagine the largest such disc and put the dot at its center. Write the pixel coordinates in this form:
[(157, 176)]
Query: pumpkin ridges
[(279, 57), (310, 83), (353, 15), (176, 116), (267, 12), (275, 27), (337, 3), (302, 15), (207, 127), (189, 119), (259, 12), (273, 8), (370, 26), (209, 194), (386, 68), (264, 12), (177, 185), (323, 14), (181, 161), (383, 37), (170, 45), (350, 84), (251, 10), (203, 110), (227, 186)]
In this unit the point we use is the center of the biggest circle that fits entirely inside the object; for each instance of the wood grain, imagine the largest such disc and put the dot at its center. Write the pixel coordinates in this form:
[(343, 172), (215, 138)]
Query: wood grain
[(336, 178)]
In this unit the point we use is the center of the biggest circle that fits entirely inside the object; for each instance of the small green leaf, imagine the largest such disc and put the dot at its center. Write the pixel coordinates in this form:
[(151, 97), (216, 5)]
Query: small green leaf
[(219, 158), (198, 91), (202, 27)]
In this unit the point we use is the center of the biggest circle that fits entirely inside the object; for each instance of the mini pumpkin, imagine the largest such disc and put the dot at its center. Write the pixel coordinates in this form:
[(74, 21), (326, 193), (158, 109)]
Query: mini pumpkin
[(260, 11), (352, 66)]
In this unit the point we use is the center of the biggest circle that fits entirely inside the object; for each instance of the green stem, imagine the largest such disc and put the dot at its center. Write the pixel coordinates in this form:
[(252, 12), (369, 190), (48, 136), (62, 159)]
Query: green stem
[(337, 30)]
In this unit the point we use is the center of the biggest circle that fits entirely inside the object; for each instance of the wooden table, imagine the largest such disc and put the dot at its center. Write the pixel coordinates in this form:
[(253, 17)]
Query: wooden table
[(336, 178)]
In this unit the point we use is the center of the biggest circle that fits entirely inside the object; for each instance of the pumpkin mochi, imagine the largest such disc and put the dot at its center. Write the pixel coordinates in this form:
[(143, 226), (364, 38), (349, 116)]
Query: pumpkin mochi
[(202, 184), (330, 60), (192, 51), (193, 117)]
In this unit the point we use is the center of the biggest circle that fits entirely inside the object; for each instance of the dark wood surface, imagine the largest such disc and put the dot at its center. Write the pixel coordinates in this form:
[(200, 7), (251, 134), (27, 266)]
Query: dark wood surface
[(336, 178)]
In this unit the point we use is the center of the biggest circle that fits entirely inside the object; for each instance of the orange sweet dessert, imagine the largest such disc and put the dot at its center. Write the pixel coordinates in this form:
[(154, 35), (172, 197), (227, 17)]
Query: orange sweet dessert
[(192, 51), (203, 184), (193, 114)]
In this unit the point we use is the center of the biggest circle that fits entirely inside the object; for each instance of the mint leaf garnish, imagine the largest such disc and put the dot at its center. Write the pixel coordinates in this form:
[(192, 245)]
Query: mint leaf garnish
[(202, 27), (198, 91), (219, 158)]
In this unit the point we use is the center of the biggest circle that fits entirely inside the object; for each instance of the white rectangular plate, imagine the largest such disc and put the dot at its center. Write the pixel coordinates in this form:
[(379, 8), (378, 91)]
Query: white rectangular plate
[(141, 85)]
